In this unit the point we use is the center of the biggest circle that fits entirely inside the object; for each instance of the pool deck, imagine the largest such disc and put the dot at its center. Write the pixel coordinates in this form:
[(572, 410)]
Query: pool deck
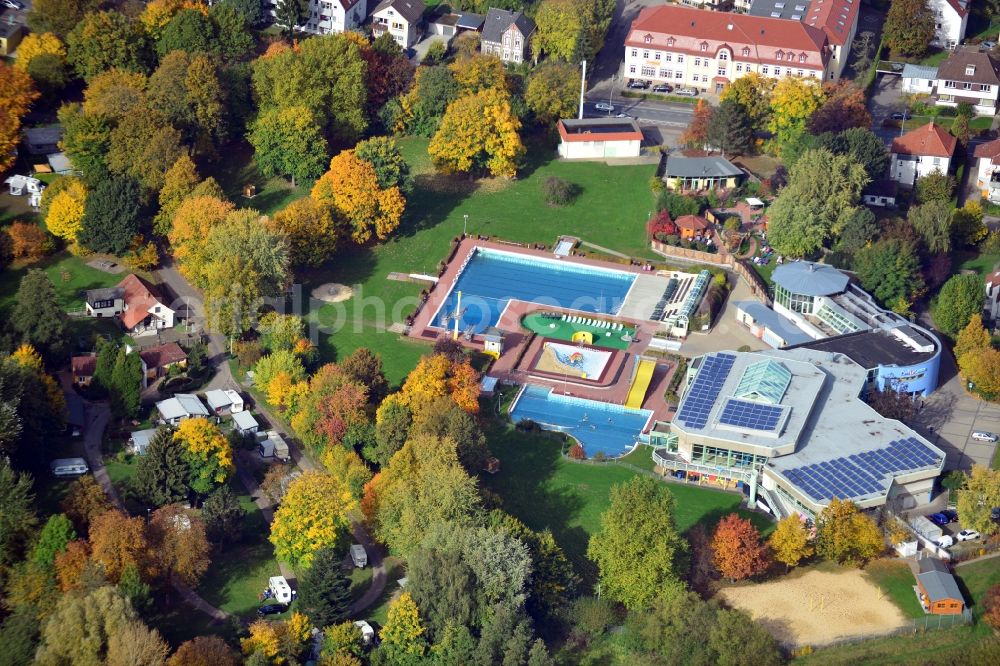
[(514, 366)]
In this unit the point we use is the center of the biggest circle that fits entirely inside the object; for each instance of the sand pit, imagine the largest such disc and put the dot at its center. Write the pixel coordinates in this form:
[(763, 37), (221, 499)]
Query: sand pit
[(332, 292), (817, 607)]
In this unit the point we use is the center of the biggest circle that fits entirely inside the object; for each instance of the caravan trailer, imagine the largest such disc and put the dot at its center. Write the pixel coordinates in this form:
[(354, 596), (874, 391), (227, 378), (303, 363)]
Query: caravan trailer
[(69, 466)]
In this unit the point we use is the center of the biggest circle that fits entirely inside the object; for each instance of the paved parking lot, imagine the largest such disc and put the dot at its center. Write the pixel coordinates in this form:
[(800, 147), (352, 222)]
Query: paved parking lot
[(950, 416), (886, 98)]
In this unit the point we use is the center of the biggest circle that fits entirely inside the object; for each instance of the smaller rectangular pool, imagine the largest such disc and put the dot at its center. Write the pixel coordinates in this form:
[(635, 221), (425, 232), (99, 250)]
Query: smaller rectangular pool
[(600, 427)]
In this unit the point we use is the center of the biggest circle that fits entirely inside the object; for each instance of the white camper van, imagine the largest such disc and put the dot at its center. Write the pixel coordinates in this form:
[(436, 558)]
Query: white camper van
[(359, 556), (281, 591), (69, 466)]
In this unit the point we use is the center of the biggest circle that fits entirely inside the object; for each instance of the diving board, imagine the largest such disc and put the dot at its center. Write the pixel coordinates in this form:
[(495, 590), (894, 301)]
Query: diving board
[(640, 384)]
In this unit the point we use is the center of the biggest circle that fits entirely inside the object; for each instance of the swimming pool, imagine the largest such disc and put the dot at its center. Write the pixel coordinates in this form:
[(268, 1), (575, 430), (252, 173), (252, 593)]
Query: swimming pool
[(599, 426), (492, 278)]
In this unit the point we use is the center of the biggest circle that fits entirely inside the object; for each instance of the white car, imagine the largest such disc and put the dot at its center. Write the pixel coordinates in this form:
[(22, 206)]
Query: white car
[(604, 106), (967, 535), (946, 541), (13, 4), (983, 436)]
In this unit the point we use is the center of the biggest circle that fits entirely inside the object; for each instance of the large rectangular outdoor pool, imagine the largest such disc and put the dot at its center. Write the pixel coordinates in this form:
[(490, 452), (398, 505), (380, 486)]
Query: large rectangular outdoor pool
[(492, 278), (600, 427)]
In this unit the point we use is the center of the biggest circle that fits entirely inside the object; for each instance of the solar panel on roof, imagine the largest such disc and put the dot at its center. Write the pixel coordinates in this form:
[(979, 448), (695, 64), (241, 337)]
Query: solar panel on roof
[(752, 415), (707, 383)]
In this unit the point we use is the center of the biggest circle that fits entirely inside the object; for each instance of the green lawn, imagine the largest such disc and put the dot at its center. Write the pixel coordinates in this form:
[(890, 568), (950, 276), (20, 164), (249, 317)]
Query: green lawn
[(544, 490), (563, 330), (611, 210), (642, 457), (70, 275), (976, 578), (984, 264), (239, 169), (896, 580), (394, 570)]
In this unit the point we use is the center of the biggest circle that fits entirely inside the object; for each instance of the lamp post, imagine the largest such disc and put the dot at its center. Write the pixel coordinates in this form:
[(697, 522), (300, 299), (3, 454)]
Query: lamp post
[(611, 94), (465, 226)]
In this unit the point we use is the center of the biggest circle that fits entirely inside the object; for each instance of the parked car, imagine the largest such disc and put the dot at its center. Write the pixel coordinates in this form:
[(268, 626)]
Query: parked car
[(638, 84), (271, 609), (967, 535), (604, 106), (939, 519), (896, 67), (984, 436), (946, 541), (995, 514), (687, 92), (988, 45), (13, 4), (952, 515), (901, 115), (622, 115), (662, 88)]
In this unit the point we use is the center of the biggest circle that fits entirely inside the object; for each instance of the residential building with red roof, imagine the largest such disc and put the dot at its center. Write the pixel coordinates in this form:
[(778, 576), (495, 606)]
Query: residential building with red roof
[(83, 369), (951, 17), (838, 19), (921, 152), (328, 16), (137, 304), (988, 169), (691, 226), (707, 50), (969, 75), (156, 361)]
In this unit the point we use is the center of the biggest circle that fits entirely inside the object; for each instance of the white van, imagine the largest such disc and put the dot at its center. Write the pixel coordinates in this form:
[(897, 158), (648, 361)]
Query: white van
[(984, 436), (281, 591), (69, 466)]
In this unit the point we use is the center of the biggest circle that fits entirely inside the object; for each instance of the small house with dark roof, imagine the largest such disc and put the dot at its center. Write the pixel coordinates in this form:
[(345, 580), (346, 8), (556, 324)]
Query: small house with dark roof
[(105, 302), (971, 76), (42, 140), (401, 19), (599, 138), (881, 193), (83, 369), (506, 35), (921, 152), (938, 592), (690, 226), (157, 361), (701, 173)]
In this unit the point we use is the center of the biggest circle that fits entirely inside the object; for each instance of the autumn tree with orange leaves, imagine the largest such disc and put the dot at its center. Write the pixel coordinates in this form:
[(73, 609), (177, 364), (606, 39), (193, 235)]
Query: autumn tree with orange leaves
[(117, 541), (737, 549), (843, 108), (478, 135), (436, 376), (71, 563), (350, 187), (17, 92), (179, 543), (696, 134)]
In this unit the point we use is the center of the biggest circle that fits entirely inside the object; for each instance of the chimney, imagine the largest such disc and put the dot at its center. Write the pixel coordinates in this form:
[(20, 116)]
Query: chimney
[(729, 26)]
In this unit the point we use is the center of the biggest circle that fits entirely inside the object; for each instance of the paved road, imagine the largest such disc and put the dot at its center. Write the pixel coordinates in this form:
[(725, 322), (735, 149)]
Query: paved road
[(670, 114)]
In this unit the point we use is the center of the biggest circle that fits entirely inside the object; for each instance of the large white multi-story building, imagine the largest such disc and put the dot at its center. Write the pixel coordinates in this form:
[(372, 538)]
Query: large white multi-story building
[(950, 19), (329, 16), (971, 76), (707, 50), (838, 19)]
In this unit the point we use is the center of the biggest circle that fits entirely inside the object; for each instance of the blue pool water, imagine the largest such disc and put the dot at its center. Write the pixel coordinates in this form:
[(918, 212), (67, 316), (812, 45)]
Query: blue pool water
[(491, 278), (598, 426)]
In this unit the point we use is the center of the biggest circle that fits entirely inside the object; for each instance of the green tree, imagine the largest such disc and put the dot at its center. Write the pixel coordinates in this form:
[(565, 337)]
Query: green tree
[(19, 636), (290, 14), (111, 220), (132, 587), (250, 10), (858, 230), (932, 221), (57, 532), (822, 193), (960, 298), (189, 30), (908, 28), (325, 590), (58, 16), (846, 535), (392, 428), (729, 129), (675, 627), (967, 226), (935, 186), (79, 630), (737, 640), (365, 367), (232, 29), (37, 317), (102, 40), (126, 382), (17, 512), (863, 146), (443, 418), (552, 91), (890, 270), (223, 516), (162, 473), (434, 88), (86, 140), (638, 549), (50, 74), (288, 142), (391, 170), (562, 30), (144, 146), (444, 587), (979, 495)]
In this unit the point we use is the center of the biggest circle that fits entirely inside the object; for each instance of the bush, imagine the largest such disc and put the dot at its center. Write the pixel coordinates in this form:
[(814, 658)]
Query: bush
[(576, 452), (435, 54), (558, 192), (593, 616), (29, 240), (678, 204), (661, 225)]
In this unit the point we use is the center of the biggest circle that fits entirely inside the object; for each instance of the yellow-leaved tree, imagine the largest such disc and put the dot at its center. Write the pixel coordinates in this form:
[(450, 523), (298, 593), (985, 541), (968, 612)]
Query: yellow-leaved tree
[(790, 541), (188, 235), (312, 230), (793, 102), (753, 92), (478, 134), (403, 634), (36, 44), (436, 376), (115, 93), (846, 535), (279, 642), (207, 451), (65, 216), (350, 187), (314, 514)]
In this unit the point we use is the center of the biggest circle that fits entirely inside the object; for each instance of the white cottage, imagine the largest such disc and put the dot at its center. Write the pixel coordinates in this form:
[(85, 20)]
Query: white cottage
[(921, 152)]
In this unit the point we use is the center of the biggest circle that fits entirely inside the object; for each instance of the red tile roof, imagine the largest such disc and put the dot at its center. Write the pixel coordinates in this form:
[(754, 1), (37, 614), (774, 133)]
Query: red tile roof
[(139, 297), (930, 141), (834, 17), (993, 279), (161, 356), (989, 150), (959, 9), (692, 222), (83, 366), (701, 31)]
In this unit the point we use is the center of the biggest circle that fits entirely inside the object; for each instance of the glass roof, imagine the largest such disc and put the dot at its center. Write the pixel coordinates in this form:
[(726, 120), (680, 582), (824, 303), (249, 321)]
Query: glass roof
[(764, 381)]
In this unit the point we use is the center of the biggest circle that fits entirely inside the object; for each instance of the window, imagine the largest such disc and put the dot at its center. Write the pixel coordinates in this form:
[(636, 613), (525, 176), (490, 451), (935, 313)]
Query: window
[(397, 26), (739, 67), (937, 161), (648, 71), (631, 69), (950, 84), (517, 42), (680, 58), (800, 72), (668, 57), (100, 305), (704, 46), (983, 87), (967, 86), (746, 51), (802, 57), (647, 39), (635, 52), (678, 75), (970, 70), (670, 41), (697, 62), (812, 73), (656, 55), (780, 55), (723, 55), (764, 69), (666, 74), (645, 55), (777, 71), (722, 71)]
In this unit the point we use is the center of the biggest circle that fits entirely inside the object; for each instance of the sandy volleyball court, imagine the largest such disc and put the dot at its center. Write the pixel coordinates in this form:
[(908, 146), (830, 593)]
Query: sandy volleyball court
[(817, 607)]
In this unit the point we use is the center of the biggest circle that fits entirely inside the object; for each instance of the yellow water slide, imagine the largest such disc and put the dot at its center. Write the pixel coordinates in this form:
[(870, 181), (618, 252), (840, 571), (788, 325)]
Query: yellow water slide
[(640, 384)]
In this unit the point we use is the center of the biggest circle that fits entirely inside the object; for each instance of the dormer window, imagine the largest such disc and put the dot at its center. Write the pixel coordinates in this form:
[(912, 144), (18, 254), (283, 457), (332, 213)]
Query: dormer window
[(802, 57), (670, 41), (746, 51), (970, 70), (704, 46), (780, 55), (647, 39)]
